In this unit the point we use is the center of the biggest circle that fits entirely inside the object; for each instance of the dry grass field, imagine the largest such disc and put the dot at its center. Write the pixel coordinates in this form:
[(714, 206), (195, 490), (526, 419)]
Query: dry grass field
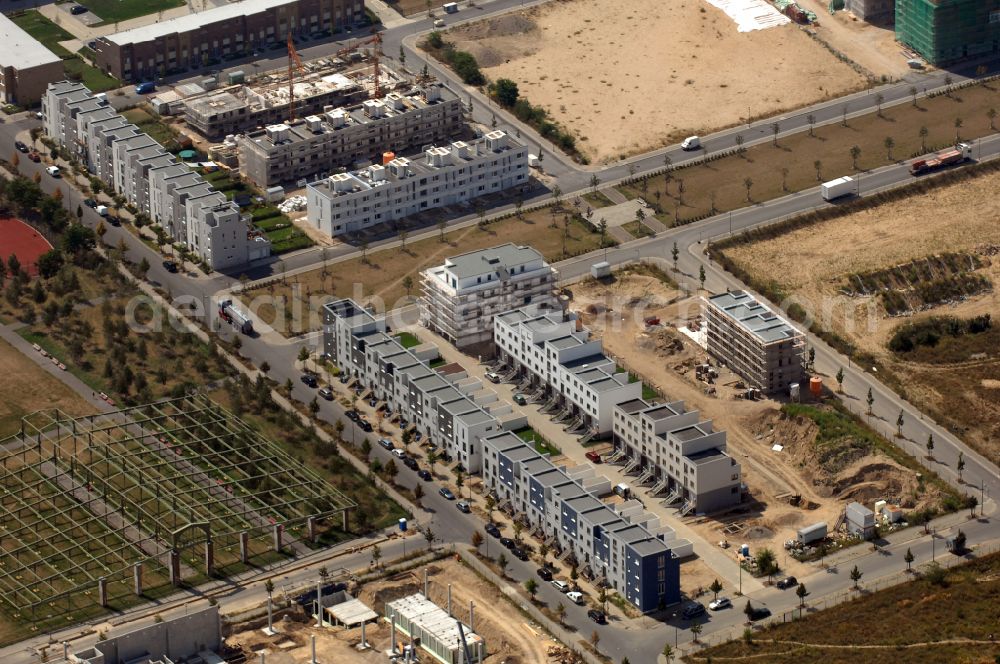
[(627, 78)]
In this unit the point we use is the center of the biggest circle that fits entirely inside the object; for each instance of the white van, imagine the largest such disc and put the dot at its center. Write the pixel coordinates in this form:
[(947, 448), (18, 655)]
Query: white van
[(102, 210), (450, 7), (561, 586), (53, 171), (691, 143)]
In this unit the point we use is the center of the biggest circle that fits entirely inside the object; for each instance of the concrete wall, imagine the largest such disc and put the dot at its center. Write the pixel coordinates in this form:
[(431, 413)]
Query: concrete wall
[(177, 639)]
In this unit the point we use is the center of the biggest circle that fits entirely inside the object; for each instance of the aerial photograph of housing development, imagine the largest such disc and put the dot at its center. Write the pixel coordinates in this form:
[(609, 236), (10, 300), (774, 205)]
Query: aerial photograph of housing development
[(499, 331)]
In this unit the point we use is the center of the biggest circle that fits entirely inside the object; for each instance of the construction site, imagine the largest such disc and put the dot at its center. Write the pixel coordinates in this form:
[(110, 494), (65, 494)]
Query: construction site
[(793, 481), (100, 510)]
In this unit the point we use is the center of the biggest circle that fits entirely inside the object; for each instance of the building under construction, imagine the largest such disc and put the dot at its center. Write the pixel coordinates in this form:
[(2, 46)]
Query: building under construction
[(947, 31)]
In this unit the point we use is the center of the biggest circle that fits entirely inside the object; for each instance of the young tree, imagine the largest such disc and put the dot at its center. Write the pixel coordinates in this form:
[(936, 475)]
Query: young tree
[(811, 119), (429, 537), (366, 449), (908, 559), (971, 502), (303, 354), (502, 564), (879, 100), (595, 639), (543, 552), (269, 587), (390, 471), (674, 253), (784, 181), (376, 556), (364, 252), (870, 400), (913, 94), (960, 465), (958, 130), (696, 631), (899, 425), (748, 183), (818, 166), (801, 592), (560, 612), (701, 276), (491, 504), (418, 494), (716, 588), (958, 543), (889, 144), (532, 587), (992, 116), (594, 181), (748, 611), (602, 226), (767, 563), (775, 130), (441, 226), (477, 538), (518, 529), (856, 575), (408, 284), (313, 407), (923, 138), (403, 235), (840, 380), (855, 154)]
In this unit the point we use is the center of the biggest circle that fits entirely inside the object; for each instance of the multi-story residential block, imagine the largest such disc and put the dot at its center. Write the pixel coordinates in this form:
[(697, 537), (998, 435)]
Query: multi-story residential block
[(230, 30), (946, 31), (26, 66), (134, 165), (346, 203), (287, 152), (606, 545), (451, 410), (758, 344), (678, 452), (461, 296), (555, 359)]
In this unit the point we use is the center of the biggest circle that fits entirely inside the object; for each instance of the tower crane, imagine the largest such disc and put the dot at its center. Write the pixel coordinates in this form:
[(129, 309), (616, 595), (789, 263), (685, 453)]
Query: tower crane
[(375, 39), (294, 64)]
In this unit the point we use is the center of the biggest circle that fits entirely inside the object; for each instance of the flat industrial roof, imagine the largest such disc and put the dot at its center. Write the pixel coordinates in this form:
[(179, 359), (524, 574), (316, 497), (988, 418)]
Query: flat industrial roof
[(19, 49), (483, 261), (753, 316), (194, 21), (433, 620)]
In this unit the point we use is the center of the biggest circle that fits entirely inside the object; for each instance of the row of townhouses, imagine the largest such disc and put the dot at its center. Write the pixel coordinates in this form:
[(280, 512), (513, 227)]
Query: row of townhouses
[(462, 295), (351, 202), (616, 547), (134, 165), (670, 449), (287, 152)]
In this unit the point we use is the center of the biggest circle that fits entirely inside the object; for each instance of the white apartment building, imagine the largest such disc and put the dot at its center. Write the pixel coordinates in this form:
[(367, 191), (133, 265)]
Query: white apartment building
[(555, 360), (134, 165), (461, 296), (677, 452), (758, 344), (350, 202), (616, 548), (450, 409)]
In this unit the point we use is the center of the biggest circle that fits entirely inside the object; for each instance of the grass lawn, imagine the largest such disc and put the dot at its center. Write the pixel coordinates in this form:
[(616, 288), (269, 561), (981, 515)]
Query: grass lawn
[(278, 228), (408, 339), (637, 229), (122, 10), (50, 35), (381, 276), (542, 446), (596, 199), (952, 620), (794, 158), (157, 129)]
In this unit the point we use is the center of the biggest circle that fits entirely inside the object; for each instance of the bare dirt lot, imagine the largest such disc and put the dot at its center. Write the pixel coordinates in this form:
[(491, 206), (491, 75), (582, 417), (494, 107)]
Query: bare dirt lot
[(627, 78), (509, 638), (790, 489), (961, 217)]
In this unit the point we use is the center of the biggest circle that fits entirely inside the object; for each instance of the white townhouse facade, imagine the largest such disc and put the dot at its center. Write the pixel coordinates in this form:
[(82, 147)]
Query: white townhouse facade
[(346, 203), (461, 296), (451, 410), (679, 453), (151, 179), (554, 357), (608, 546)]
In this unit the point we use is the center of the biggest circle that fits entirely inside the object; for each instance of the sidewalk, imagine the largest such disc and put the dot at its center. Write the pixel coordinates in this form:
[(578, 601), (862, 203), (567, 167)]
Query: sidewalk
[(720, 562)]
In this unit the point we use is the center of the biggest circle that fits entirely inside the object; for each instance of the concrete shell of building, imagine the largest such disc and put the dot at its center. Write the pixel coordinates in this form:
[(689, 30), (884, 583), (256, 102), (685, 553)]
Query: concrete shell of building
[(947, 31), (347, 203), (228, 31), (758, 344), (461, 296), (26, 66), (134, 165), (341, 137)]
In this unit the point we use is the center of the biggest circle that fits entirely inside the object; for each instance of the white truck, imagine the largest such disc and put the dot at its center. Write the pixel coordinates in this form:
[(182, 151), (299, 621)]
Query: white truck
[(450, 7), (840, 187)]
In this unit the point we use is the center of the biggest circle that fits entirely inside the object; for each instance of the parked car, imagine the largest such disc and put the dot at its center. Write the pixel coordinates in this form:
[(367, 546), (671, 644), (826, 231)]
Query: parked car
[(544, 573), (310, 380), (34, 156), (520, 400), (145, 88), (693, 610), (492, 376), (446, 492), (787, 582), (492, 530), (424, 474), (352, 415), (326, 393), (561, 586), (463, 506), (507, 542), (90, 202), (597, 616), (520, 554), (399, 453), (170, 266), (439, 23), (575, 597), (365, 425), (720, 603), (759, 613), (78, 9), (20, 147), (53, 171), (593, 457), (411, 463), (386, 443), (373, 402)]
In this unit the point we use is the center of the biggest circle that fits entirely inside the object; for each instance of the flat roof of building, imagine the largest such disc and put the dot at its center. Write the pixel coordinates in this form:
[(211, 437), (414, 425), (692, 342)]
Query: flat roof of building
[(753, 316), (20, 50), (688, 433), (705, 455), (488, 261), (194, 21), (632, 406), (351, 311), (434, 621)]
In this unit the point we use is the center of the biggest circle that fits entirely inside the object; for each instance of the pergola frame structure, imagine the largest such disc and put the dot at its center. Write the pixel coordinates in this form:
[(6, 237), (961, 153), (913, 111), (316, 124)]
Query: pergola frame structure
[(84, 499)]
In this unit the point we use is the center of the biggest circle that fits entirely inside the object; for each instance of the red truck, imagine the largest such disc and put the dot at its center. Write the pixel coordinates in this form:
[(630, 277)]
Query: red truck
[(955, 155)]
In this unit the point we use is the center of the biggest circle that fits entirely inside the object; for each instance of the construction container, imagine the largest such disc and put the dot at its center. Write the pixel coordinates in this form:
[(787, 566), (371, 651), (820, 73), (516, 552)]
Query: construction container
[(810, 534), (600, 270), (235, 77), (816, 386), (860, 520), (793, 391), (387, 157)]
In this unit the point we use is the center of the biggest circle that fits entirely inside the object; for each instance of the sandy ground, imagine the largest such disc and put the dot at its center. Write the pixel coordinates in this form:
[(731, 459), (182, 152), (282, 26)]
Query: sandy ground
[(874, 47), (629, 78), (509, 638), (789, 488)]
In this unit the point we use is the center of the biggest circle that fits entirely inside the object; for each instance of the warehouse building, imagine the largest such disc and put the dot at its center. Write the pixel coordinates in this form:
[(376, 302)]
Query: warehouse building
[(435, 630), (26, 66), (556, 361), (758, 344), (461, 296), (678, 453), (347, 203), (238, 29), (946, 31), (287, 152), (134, 165), (607, 546)]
